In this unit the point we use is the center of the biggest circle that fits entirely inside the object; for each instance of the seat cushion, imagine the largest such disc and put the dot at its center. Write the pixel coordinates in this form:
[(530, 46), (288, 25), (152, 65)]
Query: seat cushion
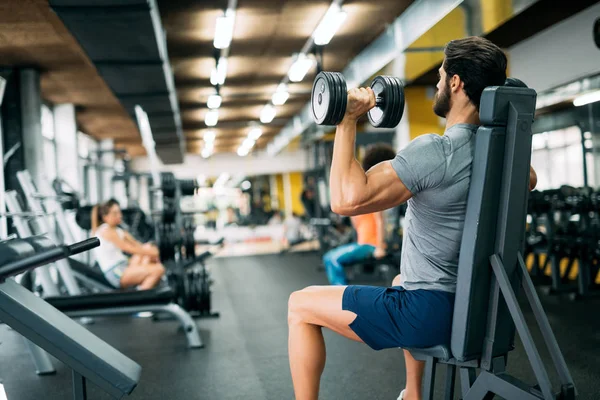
[(164, 295), (90, 272), (440, 352)]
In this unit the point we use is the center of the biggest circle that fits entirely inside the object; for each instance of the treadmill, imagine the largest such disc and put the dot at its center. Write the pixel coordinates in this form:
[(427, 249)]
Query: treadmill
[(89, 357)]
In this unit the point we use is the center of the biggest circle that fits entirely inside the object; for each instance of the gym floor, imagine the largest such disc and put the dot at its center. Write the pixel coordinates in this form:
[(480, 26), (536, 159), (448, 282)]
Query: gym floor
[(245, 356)]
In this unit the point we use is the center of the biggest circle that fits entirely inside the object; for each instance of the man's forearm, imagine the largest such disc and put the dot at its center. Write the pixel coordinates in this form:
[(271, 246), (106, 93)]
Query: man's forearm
[(346, 172)]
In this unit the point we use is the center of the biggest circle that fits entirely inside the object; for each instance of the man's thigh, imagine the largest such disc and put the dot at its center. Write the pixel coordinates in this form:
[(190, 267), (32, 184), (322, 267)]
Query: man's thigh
[(322, 306)]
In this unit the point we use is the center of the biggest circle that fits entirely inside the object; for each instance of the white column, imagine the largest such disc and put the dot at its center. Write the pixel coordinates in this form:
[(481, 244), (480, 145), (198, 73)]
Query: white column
[(402, 130), (65, 128), (107, 160)]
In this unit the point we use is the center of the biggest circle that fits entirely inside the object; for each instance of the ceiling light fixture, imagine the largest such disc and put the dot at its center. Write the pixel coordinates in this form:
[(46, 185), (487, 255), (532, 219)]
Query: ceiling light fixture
[(211, 118), (219, 73), (255, 133), (248, 143), (267, 114), (242, 151), (224, 30), (209, 136), (214, 101), (300, 67), (206, 153), (587, 99), (329, 25), (281, 95)]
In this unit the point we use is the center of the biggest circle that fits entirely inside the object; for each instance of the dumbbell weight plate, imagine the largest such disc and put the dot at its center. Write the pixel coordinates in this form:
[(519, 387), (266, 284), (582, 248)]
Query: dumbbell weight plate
[(400, 107), (391, 109), (341, 98), (329, 98), (320, 98), (388, 113)]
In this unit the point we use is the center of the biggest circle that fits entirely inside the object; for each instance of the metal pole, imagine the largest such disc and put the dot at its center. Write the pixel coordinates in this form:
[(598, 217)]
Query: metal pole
[(585, 166)]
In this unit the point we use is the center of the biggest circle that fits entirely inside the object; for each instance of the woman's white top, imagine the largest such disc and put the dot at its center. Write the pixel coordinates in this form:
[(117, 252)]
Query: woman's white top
[(108, 255)]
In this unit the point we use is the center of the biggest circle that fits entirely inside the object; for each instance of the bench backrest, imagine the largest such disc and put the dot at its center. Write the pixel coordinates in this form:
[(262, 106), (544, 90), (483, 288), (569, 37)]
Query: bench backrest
[(494, 222)]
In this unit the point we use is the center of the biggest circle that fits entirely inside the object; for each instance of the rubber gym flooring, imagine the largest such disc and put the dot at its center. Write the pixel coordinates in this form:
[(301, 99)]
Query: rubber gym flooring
[(246, 348)]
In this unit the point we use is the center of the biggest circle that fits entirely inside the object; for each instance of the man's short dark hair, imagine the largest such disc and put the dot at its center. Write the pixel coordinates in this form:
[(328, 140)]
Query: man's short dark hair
[(478, 62), (377, 153)]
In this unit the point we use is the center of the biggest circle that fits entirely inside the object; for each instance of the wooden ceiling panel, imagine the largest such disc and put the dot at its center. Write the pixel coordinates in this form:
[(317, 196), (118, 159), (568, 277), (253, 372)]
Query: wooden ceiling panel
[(32, 35), (267, 33), (266, 36)]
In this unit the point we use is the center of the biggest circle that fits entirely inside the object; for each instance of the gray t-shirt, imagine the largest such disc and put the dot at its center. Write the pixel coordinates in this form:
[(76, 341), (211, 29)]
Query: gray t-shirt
[(437, 171)]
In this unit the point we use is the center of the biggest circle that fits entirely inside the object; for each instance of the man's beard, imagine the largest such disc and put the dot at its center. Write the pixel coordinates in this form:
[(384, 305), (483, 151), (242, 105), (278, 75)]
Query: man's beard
[(441, 102)]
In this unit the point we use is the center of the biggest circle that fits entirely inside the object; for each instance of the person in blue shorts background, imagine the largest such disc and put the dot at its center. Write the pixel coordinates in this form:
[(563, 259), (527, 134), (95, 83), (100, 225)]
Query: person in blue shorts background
[(370, 228), (432, 174)]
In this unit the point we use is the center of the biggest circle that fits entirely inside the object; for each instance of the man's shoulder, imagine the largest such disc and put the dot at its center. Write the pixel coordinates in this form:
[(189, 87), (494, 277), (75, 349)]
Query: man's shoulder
[(430, 145)]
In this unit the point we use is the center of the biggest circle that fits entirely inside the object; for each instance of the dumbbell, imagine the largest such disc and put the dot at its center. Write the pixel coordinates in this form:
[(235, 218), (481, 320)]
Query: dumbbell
[(329, 99)]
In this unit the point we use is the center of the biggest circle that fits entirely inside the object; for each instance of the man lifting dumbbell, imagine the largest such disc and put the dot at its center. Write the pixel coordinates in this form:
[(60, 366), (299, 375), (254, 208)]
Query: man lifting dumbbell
[(432, 173)]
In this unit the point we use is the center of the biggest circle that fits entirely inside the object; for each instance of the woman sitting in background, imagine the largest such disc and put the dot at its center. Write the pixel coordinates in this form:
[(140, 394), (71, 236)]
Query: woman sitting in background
[(143, 269)]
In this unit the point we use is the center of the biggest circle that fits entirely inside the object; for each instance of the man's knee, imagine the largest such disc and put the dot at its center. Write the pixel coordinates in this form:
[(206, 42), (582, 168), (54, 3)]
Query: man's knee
[(297, 305)]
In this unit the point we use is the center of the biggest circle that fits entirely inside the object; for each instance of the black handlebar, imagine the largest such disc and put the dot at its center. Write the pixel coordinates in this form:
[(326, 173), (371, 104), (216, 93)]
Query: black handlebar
[(82, 246), (34, 261), (46, 257)]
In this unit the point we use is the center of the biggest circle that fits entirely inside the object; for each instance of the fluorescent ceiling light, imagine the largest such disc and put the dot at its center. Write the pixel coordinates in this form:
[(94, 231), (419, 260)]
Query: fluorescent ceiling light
[(329, 25), (206, 152), (214, 101), (300, 67), (279, 98), (242, 151), (210, 146), (219, 73), (267, 114), (587, 99), (211, 118), (248, 143), (255, 133), (281, 95), (209, 136), (224, 30)]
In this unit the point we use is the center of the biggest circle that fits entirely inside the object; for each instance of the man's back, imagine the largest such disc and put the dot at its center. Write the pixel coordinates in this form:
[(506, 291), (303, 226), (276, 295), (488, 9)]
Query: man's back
[(437, 170)]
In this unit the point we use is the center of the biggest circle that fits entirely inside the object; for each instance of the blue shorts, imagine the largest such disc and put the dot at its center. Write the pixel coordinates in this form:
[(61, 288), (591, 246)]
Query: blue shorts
[(394, 317), (113, 275)]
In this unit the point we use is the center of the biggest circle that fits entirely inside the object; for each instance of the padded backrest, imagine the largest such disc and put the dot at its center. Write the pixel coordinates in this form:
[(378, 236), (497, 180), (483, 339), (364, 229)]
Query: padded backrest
[(67, 340), (493, 187)]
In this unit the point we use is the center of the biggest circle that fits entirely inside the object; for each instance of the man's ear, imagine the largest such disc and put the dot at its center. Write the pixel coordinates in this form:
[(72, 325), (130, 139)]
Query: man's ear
[(456, 83)]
